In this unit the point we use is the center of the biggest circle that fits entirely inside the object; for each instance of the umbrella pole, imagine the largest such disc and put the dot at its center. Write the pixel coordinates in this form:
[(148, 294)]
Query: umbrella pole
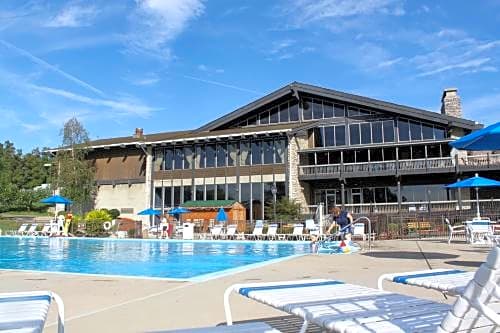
[(477, 203)]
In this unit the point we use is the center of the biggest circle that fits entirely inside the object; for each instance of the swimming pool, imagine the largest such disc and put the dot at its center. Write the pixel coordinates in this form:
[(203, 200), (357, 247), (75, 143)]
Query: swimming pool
[(186, 260)]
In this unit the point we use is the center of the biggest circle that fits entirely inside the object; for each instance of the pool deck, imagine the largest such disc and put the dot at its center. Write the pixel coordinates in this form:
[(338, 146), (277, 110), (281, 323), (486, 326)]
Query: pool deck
[(113, 304)]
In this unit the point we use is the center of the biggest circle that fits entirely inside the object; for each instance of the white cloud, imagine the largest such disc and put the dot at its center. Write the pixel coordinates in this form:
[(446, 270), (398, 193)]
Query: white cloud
[(158, 22), (208, 69), (483, 108), (389, 63), (73, 16), (221, 84), (473, 63), (146, 80), (307, 11)]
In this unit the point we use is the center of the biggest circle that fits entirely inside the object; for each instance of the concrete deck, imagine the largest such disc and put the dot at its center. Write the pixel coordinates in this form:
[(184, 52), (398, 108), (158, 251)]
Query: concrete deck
[(110, 304)]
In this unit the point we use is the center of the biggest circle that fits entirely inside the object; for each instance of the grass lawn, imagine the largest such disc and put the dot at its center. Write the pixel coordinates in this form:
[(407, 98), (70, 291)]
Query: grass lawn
[(8, 225), (23, 213)]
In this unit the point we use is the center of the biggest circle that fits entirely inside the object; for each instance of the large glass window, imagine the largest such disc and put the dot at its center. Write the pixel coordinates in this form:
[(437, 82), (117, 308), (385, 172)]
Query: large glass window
[(257, 201), (210, 156), (433, 151), (167, 197), (232, 192), (404, 130), (388, 131), (329, 136), (439, 133), (252, 121), (366, 133), (349, 156), (361, 155), (418, 152), (352, 111), (377, 132), (221, 191), (279, 147), (264, 118), (267, 147), (178, 159), (404, 153), (177, 196), (210, 192), (245, 197), (245, 153), (232, 153), (169, 159), (376, 155), (307, 109), (328, 110), (321, 158), (318, 137), (256, 153), (284, 118), (273, 116), (268, 199), (200, 157), (334, 157), (368, 195), (158, 160), (158, 196), (294, 111), (415, 130), (380, 195), (339, 110), (188, 157), (340, 135), (199, 190), (188, 193), (317, 107), (221, 154), (390, 154), (427, 132), (354, 134)]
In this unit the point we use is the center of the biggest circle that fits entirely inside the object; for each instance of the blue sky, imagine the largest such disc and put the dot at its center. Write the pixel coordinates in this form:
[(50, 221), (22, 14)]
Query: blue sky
[(177, 64)]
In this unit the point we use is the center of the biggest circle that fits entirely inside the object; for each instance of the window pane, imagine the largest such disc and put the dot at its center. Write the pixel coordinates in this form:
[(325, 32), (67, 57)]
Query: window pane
[(273, 116), (339, 110), (404, 130), (169, 159), (256, 153), (232, 154), (221, 154), (329, 136), (363, 112), (388, 131), (334, 157), (366, 133), (257, 201), (252, 121), (268, 152), (221, 191), (317, 109), (245, 153), (349, 156), (321, 158), (210, 192), (427, 132), (268, 199), (415, 130), (439, 133), (158, 159), (284, 118), (199, 192), (232, 193), (188, 157), (188, 193), (168, 196), (361, 156), (377, 132), (376, 155), (264, 118), (340, 135), (200, 157), (445, 150), (354, 129), (210, 156), (328, 109), (318, 137), (178, 158), (392, 194), (307, 109), (433, 151), (404, 153), (279, 147), (390, 154), (294, 111), (177, 195), (158, 196), (245, 197), (368, 195), (380, 195), (418, 152), (352, 111)]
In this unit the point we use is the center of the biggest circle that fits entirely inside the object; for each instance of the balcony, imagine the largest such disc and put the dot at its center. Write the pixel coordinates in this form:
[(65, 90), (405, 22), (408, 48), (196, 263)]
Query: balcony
[(403, 167)]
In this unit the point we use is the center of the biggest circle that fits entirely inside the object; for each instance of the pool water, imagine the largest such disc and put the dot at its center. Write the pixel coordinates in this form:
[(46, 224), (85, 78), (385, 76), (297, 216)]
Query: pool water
[(141, 258)]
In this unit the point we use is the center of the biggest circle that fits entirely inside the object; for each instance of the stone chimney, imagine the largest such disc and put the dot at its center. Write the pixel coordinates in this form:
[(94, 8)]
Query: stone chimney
[(450, 103), (138, 133)]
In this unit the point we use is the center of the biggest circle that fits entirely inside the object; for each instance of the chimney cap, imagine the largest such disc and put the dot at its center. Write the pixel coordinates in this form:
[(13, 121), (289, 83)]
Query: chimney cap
[(448, 90), (139, 133)]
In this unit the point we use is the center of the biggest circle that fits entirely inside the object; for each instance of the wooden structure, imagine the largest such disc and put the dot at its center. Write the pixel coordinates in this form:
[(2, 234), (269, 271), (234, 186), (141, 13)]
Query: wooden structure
[(204, 212)]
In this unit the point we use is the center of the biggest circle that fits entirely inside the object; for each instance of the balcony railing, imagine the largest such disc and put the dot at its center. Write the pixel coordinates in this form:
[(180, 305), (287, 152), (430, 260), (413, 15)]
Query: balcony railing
[(442, 164)]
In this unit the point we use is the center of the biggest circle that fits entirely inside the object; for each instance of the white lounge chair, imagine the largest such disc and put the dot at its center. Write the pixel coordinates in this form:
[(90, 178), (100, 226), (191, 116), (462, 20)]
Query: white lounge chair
[(231, 231), (22, 229), (313, 228), (272, 230), (216, 231), (257, 231), (479, 231), (454, 231), (27, 311), (256, 327), (45, 230), (340, 307), (31, 230), (450, 281), (298, 232)]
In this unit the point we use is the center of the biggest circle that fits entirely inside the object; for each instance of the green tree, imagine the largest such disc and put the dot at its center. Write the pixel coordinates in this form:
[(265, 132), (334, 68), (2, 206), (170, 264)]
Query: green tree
[(74, 175), (286, 210)]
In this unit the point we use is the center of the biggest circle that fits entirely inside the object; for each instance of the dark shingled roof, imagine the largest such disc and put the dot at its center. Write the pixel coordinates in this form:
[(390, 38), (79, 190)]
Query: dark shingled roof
[(209, 203)]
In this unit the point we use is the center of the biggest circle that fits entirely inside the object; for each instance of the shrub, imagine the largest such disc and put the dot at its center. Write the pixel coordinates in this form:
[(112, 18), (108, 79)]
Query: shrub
[(98, 215), (114, 213)]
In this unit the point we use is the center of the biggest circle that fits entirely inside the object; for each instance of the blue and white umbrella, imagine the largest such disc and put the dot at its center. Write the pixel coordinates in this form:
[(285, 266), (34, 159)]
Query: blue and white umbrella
[(475, 182)]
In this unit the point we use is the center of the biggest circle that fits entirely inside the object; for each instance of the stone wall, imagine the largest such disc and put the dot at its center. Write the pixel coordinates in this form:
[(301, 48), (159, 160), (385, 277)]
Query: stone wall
[(297, 190), (450, 103)]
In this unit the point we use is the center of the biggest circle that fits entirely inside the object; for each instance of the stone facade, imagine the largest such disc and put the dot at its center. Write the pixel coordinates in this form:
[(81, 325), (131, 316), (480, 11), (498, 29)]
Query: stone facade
[(297, 190), (450, 103)]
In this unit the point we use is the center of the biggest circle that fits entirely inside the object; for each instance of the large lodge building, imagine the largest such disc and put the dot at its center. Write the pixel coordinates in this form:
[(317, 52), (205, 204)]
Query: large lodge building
[(312, 144)]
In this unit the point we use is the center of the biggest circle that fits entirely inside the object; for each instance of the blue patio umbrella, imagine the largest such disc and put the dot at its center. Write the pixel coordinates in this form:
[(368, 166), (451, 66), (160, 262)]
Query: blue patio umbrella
[(150, 211), (487, 138), (56, 199), (475, 182), (221, 216), (178, 211)]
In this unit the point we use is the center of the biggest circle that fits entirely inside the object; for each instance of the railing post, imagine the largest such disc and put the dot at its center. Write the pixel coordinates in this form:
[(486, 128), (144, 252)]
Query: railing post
[(488, 160)]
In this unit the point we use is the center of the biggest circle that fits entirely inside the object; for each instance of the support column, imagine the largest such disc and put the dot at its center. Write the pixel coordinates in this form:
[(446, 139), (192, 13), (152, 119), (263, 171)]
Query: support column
[(399, 195), (149, 185), (342, 193)]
